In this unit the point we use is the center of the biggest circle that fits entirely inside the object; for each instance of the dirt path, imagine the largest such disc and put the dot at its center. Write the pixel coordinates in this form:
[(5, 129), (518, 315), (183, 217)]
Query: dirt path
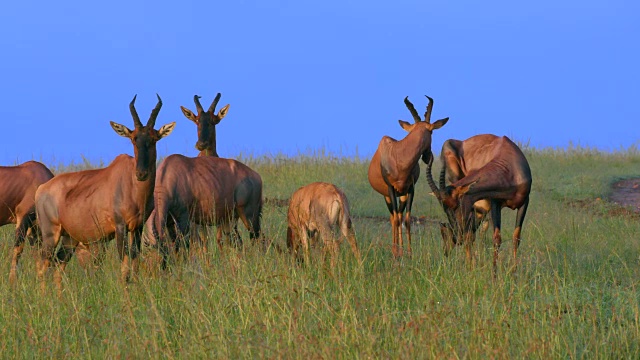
[(626, 193)]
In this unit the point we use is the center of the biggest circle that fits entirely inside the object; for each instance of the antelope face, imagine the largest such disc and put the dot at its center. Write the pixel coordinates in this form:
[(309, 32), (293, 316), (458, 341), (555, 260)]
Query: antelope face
[(144, 139), (454, 229), (457, 227), (447, 233), (206, 122), (144, 148), (423, 127), (461, 218)]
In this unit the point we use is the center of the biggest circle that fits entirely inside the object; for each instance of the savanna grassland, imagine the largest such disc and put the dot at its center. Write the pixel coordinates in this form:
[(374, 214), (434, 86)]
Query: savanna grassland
[(575, 293)]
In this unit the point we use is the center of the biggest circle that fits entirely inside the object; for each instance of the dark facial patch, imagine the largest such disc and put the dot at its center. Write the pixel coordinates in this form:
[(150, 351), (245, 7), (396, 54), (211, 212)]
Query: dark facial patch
[(144, 141), (207, 132)]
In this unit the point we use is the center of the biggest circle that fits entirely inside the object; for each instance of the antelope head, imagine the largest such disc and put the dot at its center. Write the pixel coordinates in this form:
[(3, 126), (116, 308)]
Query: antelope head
[(206, 122), (423, 125), (144, 139), (461, 219)]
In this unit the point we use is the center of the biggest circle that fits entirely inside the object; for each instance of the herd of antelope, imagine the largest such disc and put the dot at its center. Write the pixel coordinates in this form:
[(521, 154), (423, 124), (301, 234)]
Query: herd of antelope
[(81, 211)]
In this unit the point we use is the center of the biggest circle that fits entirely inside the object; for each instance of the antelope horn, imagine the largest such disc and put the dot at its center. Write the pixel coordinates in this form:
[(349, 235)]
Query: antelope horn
[(198, 105), (442, 177), (212, 108), (447, 210), (154, 113), (432, 184), (427, 114), (134, 113), (412, 110), (450, 215)]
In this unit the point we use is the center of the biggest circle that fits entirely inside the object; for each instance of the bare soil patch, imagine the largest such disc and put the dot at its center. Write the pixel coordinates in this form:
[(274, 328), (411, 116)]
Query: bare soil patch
[(626, 193)]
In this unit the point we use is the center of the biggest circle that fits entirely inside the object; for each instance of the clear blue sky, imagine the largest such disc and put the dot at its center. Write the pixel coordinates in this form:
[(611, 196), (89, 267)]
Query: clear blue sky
[(310, 74)]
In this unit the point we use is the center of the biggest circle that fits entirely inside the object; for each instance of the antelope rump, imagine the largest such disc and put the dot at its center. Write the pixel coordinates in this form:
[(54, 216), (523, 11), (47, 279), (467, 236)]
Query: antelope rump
[(319, 210), (17, 204)]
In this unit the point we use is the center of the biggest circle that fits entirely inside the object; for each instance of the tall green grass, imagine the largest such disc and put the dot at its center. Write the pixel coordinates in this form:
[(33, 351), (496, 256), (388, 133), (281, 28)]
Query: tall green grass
[(574, 293)]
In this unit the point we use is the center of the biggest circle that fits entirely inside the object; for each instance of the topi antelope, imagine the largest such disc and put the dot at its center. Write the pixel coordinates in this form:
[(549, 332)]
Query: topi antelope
[(17, 206), (319, 209), (83, 207), (504, 180), (205, 190), (394, 169), (206, 122), (463, 156)]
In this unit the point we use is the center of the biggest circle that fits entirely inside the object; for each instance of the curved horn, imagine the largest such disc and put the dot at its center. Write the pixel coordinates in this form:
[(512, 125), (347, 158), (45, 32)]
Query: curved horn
[(212, 108), (432, 183), (154, 113), (438, 193), (134, 113), (412, 110), (427, 114), (198, 106), (450, 215), (442, 177)]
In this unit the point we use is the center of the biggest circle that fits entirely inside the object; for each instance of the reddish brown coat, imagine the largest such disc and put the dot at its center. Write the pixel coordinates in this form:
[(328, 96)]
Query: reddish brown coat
[(206, 122), (463, 156), (84, 207), (206, 190), (394, 170), (504, 180), (17, 204), (319, 210)]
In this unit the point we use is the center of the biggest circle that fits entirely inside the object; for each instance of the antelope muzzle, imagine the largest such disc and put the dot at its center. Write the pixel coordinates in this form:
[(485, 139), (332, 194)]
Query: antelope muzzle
[(447, 233), (142, 175)]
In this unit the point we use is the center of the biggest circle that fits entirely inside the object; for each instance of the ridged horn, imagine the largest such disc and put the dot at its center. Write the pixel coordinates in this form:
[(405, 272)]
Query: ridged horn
[(212, 108), (442, 177), (134, 113), (412, 110), (154, 113), (196, 99), (430, 181), (427, 114)]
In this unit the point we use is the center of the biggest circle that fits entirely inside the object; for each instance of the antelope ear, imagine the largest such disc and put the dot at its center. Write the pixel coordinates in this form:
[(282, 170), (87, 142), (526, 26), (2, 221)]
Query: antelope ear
[(223, 112), (121, 129), (438, 124), (166, 130), (449, 197), (405, 125), (188, 114), (461, 190)]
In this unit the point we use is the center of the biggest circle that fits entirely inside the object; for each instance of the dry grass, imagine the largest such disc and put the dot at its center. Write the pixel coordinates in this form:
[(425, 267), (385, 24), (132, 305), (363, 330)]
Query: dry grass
[(574, 294)]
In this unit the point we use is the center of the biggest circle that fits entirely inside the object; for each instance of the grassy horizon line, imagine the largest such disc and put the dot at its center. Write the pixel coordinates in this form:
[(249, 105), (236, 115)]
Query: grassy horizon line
[(88, 162)]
